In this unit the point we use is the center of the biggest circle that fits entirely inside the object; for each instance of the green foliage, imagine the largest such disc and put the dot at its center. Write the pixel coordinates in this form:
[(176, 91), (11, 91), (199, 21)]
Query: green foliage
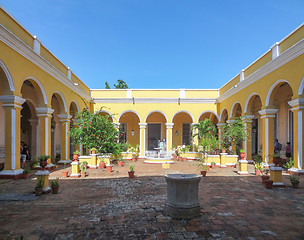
[(94, 130), (82, 167), (276, 155), (121, 84), (107, 86), (27, 170), (44, 157), (258, 162), (294, 179), (76, 152), (131, 167), (55, 183), (234, 132), (205, 168), (39, 183), (289, 164)]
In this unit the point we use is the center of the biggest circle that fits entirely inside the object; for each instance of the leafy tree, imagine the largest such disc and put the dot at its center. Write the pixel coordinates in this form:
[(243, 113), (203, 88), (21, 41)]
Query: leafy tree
[(121, 84), (94, 130), (107, 85)]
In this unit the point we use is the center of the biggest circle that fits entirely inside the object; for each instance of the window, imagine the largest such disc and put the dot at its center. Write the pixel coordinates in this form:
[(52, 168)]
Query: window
[(186, 138), (123, 133)]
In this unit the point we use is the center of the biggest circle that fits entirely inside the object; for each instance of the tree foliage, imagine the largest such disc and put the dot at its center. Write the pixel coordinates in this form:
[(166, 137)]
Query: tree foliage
[(120, 85)]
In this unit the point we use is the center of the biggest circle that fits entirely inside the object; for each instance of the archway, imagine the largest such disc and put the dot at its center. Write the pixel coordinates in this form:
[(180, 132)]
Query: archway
[(224, 115), (156, 129), (182, 133), (129, 128), (236, 110), (73, 110)]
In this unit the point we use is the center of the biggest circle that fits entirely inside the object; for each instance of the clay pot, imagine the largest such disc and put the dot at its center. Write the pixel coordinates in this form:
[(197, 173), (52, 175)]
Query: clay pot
[(212, 165), (109, 168), (38, 191), (174, 156), (223, 150), (268, 184), (180, 158), (43, 163), (257, 172), (204, 173), (93, 151), (83, 174), (75, 157), (134, 159), (295, 185), (102, 165), (120, 163), (243, 155), (64, 174), (264, 178), (131, 174), (55, 189), (26, 175), (276, 161)]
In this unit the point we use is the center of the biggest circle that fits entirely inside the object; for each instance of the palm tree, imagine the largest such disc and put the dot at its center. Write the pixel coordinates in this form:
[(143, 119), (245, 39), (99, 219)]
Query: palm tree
[(205, 129)]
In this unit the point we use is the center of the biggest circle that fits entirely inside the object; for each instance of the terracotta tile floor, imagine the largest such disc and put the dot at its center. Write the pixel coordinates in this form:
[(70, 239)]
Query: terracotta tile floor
[(112, 206)]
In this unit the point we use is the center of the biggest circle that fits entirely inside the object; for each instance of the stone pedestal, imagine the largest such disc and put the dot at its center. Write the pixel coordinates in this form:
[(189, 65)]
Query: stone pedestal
[(182, 196), (223, 159), (243, 167), (44, 175), (276, 176), (75, 169), (93, 161), (166, 165)]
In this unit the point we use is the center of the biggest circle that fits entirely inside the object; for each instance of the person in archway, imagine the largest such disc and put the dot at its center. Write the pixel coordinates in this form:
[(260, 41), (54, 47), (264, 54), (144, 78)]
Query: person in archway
[(288, 151), (277, 146), (24, 155)]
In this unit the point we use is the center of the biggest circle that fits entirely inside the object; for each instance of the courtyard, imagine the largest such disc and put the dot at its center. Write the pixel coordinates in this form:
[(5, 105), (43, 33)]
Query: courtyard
[(112, 206)]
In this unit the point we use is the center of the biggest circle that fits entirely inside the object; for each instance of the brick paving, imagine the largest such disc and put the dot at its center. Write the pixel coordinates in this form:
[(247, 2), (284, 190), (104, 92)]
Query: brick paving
[(112, 206)]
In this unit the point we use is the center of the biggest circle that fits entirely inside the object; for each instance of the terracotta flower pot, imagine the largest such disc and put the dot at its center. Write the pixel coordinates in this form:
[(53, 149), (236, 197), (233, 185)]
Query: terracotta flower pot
[(26, 175), (204, 173), (83, 174), (223, 150), (43, 163), (276, 161), (212, 165), (257, 172), (264, 178), (174, 157), (134, 159), (243, 155), (64, 174), (268, 184), (38, 191), (131, 174), (120, 163), (109, 168), (102, 165), (93, 151), (180, 158), (75, 157), (55, 189), (295, 185)]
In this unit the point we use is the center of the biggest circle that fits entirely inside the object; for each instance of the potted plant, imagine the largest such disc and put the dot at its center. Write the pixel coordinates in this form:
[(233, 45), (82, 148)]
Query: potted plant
[(76, 155), (55, 186), (43, 159), (131, 172), (242, 154), (39, 187), (204, 170), (64, 171), (83, 169), (276, 159), (213, 164), (26, 173), (268, 183), (93, 150), (120, 162), (295, 180), (288, 164), (109, 167), (265, 175), (258, 166), (102, 164)]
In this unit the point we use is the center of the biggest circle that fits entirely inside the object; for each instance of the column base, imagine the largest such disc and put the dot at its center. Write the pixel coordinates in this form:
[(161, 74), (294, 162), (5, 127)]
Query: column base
[(46, 190), (11, 174), (223, 166), (182, 213), (64, 161), (93, 166), (296, 171), (278, 184), (75, 175), (242, 173)]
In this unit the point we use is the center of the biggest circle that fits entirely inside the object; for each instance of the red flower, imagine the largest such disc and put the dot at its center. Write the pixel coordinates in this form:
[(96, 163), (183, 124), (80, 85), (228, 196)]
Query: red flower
[(94, 135), (90, 122), (90, 126)]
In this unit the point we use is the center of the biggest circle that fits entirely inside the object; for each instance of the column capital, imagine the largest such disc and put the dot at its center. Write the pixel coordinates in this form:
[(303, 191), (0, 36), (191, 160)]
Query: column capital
[(11, 101), (169, 125), (268, 113), (33, 121), (44, 111), (221, 124), (142, 125), (297, 104), (64, 117), (230, 121), (248, 118)]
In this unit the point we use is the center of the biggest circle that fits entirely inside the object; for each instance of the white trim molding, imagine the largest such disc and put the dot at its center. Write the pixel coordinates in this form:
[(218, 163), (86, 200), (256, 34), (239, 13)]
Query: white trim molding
[(183, 111), (156, 111), (131, 111), (8, 76), (209, 111)]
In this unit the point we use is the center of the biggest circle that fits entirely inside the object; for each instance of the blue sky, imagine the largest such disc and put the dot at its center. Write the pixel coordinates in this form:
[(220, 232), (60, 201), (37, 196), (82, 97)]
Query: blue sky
[(158, 43)]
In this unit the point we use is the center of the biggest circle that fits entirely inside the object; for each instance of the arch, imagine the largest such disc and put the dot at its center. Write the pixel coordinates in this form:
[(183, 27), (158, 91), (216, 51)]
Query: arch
[(104, 111), (233, 107), (76, 104), (208, 112), (158, 112), (248, 100), (222, 114), (63, 100), (8, 76), (127, 112), (271, 90), (184, 112), (301, 87), (44, 96)]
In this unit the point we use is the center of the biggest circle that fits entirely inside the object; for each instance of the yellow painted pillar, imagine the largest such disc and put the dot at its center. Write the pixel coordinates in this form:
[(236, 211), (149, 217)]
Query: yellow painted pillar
[(220, 126), (247, 141), (223, 160), (44, 116), (169, 127), (276, 176), (12, 106), (75, 169), (298, 137), (243, 167), (142, 139), (65, 138), (43, 176), (267, 116)]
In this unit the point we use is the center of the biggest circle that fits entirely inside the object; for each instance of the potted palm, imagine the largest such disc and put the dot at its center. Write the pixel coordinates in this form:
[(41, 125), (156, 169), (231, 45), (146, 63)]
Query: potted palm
[(83, 170), (295, 180), (102, 164), (26, 173), (131, 172), (276, 158), (39, 187), (120, 161), (242, 154), (213, 164), (258, 166), (55, 186), (43, 159)]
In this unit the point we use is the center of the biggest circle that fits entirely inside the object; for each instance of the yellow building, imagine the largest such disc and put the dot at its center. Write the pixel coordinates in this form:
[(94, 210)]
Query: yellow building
[(39, 95)]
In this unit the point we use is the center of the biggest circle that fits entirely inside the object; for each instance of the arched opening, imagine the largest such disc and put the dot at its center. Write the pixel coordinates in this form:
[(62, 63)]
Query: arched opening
[(106, 114), (236, 111), (182, 133), (73, 110), (156, 130), (283, 122), (253, 108), (129, 128), (224, 116)]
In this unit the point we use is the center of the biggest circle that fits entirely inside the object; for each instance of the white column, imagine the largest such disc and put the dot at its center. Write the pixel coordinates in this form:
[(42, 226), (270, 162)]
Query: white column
[(247, 147), (169, 127), (142, 138)]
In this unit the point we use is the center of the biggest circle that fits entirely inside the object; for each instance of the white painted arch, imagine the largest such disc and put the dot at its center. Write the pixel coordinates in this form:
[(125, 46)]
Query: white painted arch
[(248, 100), (100, 111), (221, 115), (8, 76), (209, 111), (158, 112), (63, 100), (41, 88), (271, 90), (184, 111), (76, 104), (301, 87), (233, 105), (127, 112)]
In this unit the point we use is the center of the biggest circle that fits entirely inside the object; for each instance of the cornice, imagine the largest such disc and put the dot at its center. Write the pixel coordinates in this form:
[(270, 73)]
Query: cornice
[(20, 47), (287, 56)]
